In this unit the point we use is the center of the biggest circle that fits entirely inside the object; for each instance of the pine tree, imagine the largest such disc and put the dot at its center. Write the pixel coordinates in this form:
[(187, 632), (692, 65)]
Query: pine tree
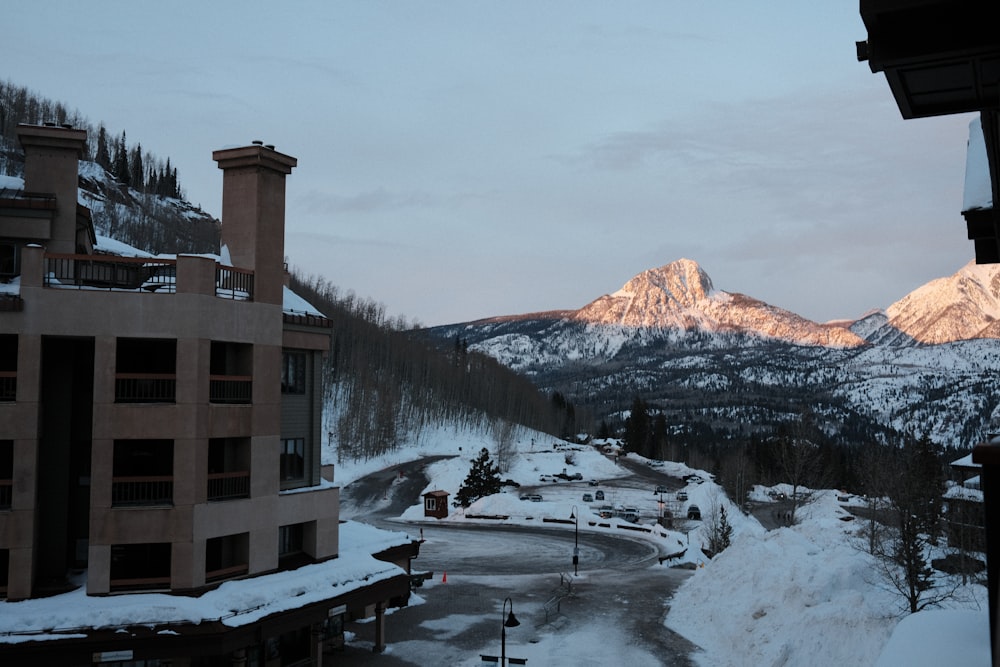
[(483, 480), (121, 171), (103, 157), (136, 173)]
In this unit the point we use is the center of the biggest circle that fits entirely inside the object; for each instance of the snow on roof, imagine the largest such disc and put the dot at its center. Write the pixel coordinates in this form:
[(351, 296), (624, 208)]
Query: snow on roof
[(978, 189), (293, 303), (966, 462), (234, 603)]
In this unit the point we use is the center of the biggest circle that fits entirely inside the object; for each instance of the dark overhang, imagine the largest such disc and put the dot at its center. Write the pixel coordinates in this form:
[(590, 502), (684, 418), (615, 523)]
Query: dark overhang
[(938, 56)]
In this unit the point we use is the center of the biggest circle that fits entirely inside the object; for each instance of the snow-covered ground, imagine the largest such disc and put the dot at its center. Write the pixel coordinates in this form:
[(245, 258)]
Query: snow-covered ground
[(802, 595)]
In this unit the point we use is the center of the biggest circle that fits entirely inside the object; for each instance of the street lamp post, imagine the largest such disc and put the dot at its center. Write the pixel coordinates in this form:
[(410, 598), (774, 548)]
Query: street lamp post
[(510, 622), (575, 515)]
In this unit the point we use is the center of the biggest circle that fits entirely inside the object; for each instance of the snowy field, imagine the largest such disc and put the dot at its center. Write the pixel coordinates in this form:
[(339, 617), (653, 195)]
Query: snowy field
[(801, 595)]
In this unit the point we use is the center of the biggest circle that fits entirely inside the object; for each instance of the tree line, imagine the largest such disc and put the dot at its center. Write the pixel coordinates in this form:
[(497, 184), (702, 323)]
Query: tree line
[(128, 163), (387, 384)]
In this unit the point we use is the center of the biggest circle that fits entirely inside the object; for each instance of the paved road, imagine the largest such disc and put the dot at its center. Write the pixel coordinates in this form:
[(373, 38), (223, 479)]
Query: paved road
[(621, 589)]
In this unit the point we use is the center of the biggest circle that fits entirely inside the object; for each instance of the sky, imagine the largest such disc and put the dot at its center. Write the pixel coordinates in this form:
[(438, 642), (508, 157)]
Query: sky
[(460, 160)]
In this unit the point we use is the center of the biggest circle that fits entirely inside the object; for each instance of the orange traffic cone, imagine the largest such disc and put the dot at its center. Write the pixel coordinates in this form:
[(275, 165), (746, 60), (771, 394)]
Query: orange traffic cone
[(444, 578)]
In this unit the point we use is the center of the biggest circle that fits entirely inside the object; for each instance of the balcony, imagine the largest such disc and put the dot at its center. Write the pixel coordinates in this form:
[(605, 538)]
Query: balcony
[(228, 485), (141, 491), (229, 389), (136, 274), (145, 387)]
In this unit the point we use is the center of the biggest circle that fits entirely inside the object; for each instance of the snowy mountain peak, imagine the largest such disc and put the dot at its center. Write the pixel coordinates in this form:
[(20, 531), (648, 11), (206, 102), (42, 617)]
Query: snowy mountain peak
[(680, 296), (962, 306)]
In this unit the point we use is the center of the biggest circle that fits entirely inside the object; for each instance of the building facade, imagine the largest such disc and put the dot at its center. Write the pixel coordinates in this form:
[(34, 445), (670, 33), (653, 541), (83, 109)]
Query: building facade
[(160, 418)]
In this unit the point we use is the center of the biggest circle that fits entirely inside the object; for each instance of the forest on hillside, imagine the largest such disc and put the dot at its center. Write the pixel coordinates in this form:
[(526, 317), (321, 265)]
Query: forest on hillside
[(385, 385), (128, 163)]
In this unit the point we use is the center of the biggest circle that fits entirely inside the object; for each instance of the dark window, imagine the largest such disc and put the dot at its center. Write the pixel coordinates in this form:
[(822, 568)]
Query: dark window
[(143, 473), (8, 261), (6, 473), (226, 556), (135, 566), (293, 373), (290, 540), (145, 370), (8, 367), (4, 569), (293, 452)]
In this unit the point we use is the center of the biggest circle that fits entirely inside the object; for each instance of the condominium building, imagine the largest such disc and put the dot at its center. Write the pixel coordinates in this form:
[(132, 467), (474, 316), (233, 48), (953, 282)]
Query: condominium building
[(160, 436)]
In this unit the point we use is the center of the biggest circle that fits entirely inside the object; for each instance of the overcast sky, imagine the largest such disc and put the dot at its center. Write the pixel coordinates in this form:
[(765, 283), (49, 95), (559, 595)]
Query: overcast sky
[(462, 159)]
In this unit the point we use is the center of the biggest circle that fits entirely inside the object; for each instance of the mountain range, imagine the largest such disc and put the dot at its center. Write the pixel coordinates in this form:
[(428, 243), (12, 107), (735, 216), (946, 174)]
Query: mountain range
[(927, 364)]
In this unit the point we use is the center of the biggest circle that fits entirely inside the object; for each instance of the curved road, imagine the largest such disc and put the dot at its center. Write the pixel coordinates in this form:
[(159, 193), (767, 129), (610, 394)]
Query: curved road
[(622, 588)]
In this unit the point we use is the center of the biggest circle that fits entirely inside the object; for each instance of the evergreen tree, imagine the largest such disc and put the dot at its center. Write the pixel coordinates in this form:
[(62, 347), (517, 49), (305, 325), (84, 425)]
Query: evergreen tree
[(103, 157), (121, 171), (638, 435), (483, 480), (136, 173)]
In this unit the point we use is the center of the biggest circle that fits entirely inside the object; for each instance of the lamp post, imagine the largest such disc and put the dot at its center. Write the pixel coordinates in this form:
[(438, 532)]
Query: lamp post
[(510, 622), (575, 515)]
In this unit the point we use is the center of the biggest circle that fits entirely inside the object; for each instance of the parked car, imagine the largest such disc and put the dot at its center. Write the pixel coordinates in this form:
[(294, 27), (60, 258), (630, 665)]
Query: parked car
[(629, 514), (588, 497), (593, 482), (606, 511), (682, 496), (694, 479), (653, 463), (533, 497), (694, 512), (599, 495)]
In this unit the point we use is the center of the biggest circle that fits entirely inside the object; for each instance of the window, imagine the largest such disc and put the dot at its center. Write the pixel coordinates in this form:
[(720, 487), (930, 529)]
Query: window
[(227, 556), (6, 473), (289, 540), (430, 503), (145, 370), (138, 566), (293, 373), (8, 261), (8, 367), (142, 473), (293, 456)]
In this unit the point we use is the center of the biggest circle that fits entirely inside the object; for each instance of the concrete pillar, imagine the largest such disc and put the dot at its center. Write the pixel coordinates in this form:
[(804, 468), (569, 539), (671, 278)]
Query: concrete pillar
[(379, 627)]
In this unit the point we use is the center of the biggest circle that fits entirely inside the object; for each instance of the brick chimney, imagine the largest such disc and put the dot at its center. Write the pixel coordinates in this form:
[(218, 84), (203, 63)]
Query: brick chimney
[(253, 214), (51, 166)]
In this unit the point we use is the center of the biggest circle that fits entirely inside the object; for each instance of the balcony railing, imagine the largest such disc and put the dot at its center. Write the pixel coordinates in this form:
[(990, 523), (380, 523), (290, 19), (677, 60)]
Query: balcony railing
[(233, 283), (229, 485), (150, 274), (8, 385), (230, 388), (142, 490), (110, 272), (145, 387), (6, 493)]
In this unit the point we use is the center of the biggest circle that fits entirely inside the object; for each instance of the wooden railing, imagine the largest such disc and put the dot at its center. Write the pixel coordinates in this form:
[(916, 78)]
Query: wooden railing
[(145, 387), (138, 583), (228, 485), (142, 490), (8, 385), (227, 572), (230, 388)]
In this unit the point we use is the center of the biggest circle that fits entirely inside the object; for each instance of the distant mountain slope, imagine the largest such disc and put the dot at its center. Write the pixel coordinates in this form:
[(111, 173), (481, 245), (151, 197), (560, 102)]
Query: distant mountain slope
[(729, 362)]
